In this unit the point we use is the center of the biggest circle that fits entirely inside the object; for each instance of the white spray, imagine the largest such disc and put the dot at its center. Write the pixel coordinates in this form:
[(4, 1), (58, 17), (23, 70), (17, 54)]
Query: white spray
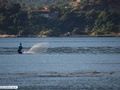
[(38, 48)]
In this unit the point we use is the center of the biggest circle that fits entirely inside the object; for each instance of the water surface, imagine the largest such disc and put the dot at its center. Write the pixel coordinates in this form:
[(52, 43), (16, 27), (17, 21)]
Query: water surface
[(88, 63)]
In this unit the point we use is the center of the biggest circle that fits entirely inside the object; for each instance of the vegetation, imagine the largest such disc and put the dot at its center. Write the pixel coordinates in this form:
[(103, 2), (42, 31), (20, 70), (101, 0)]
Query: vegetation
[(77, 20), (37, 3), (12, 20)]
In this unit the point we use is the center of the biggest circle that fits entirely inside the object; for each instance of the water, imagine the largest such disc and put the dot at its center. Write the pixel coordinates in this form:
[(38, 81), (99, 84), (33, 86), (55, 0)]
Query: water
[(88, 63)]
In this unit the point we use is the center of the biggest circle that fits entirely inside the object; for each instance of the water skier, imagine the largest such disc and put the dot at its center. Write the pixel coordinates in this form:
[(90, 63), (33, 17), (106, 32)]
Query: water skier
[(20, 49)]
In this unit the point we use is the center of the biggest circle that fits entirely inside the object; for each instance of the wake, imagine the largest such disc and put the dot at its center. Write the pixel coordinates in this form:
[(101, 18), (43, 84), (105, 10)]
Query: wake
[(38, 48)]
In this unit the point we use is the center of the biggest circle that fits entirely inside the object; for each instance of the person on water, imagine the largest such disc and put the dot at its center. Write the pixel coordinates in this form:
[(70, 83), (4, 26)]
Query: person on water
[(20, 49)]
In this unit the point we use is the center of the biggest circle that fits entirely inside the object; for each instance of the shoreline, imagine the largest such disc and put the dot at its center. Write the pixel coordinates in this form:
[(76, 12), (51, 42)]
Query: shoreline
[(36, 36), (8, 36)]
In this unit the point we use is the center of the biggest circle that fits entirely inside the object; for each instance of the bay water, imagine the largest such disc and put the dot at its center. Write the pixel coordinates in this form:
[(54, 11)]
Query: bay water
[(84, 63)]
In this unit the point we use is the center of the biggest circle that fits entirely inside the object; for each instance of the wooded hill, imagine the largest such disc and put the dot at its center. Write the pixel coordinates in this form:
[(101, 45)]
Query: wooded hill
[(37, 3), (101, 17)]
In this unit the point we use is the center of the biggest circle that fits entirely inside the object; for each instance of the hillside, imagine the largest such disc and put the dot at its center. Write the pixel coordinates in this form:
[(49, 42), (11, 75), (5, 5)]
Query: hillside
[(102, 5), (81, 18), (38, 3)]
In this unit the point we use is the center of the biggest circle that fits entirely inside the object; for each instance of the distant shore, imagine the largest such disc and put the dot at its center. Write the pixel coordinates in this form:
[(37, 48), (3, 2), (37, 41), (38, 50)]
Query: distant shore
[(16, 36)]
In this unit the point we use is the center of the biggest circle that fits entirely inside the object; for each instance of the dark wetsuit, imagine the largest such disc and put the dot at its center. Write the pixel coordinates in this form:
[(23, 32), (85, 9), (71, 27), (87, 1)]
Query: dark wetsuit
[(20, 49)]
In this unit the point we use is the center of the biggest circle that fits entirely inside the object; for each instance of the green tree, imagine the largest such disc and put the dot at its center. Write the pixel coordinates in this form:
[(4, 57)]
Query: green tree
[(106, 23)]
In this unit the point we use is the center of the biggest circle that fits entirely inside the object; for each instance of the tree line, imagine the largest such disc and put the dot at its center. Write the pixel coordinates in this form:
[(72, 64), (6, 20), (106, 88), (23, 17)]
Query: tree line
[(37, 3), (13, 20)]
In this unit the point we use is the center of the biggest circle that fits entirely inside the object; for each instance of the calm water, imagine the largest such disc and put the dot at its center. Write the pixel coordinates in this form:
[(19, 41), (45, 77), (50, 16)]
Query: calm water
[(88, 63)]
